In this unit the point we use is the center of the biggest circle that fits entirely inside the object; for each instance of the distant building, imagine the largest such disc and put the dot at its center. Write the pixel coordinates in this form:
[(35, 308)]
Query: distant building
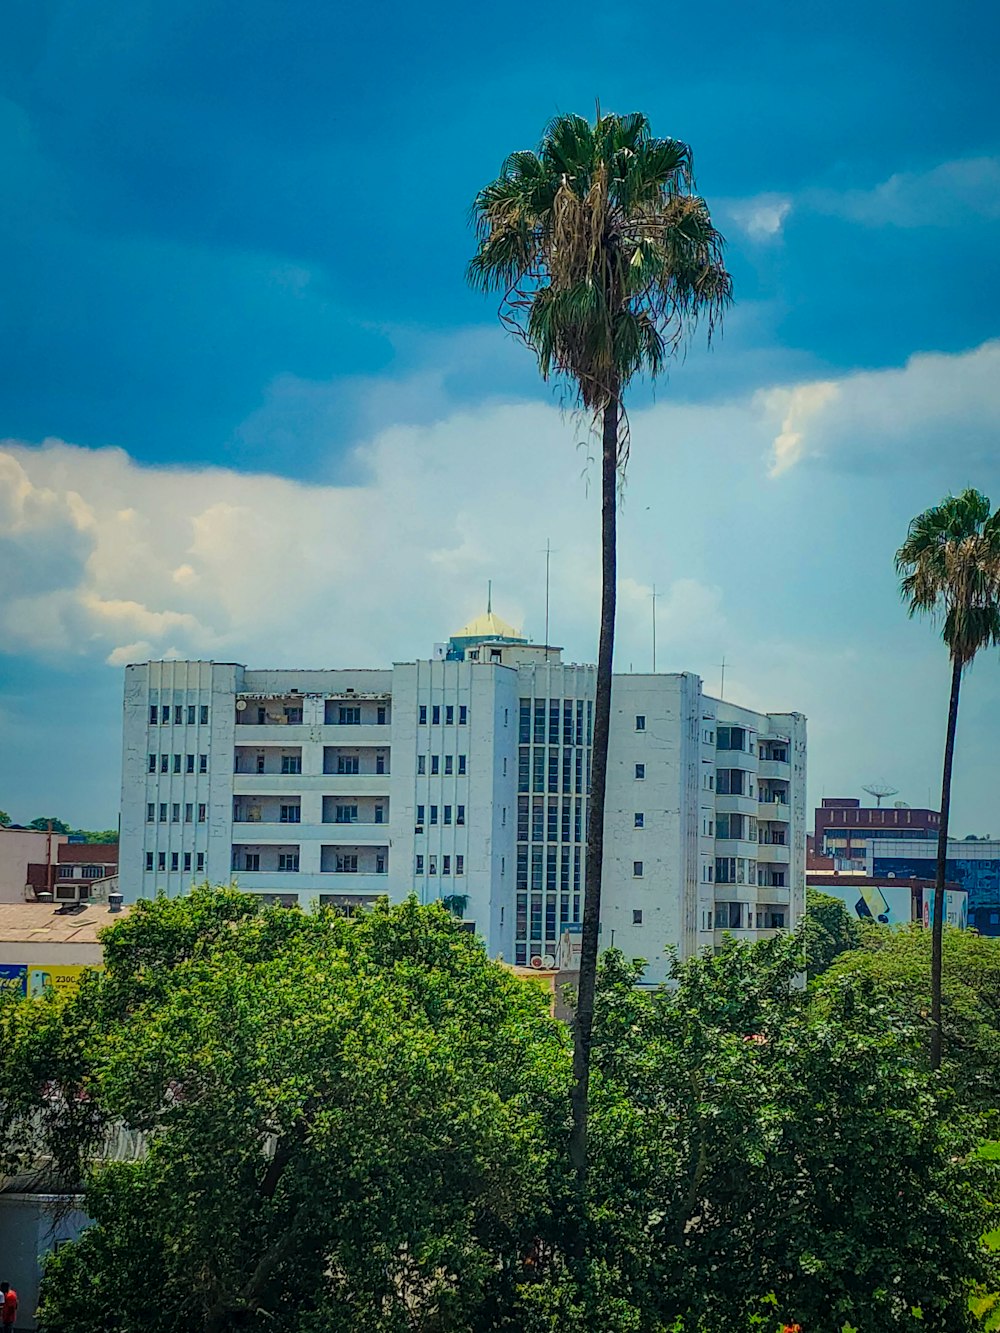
[(888, 900), (79, 868), (465, 778), (19, 848), (844, 829), (973, 865)]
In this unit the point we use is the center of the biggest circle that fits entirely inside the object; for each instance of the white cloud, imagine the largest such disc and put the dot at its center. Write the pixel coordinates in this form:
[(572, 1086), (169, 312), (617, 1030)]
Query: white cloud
[(943, 196), (761, 217)]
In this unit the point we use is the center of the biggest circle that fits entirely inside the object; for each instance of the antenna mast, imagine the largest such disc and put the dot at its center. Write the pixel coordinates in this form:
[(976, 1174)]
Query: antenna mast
[(654, 629), (548, 555)]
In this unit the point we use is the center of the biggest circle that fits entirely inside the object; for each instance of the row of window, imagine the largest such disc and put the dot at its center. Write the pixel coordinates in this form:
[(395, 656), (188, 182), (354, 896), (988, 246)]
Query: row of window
[(432, 865), (166, 767), (540, 770), (446, 812), (548, 869), (175, 861), (542, 720), (344, 863), (175, 812), (540, 924), (741, 916), (563, 821), (162, 715), (435, 763), (449, 715), (85, 872)]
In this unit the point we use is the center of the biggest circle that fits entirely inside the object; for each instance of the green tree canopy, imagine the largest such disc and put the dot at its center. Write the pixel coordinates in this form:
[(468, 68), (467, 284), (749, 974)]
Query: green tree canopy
[(363, 1125), (828, 931)]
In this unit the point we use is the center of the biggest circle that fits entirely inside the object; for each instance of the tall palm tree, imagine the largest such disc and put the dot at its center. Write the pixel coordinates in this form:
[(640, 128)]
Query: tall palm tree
[(606, 259), (949, 567)]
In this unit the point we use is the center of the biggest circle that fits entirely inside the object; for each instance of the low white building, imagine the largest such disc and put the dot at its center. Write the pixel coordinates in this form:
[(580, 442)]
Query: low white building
[(464, 777)]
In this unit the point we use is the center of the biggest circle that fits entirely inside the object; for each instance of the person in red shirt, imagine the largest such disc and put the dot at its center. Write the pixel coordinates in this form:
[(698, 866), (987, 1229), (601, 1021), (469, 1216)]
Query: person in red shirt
[(8, 1310)]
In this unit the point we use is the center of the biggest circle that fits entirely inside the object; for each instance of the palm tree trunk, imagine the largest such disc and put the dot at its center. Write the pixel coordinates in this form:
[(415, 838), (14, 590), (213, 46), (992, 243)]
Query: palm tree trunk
[(598, 782), (937, 932)]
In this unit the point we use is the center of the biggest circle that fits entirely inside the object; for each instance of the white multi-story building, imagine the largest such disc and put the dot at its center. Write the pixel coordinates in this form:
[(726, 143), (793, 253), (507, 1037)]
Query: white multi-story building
[(464, 777)]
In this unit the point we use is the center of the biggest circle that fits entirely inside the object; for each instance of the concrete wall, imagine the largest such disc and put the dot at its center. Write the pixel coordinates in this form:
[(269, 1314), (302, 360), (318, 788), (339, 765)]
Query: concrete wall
[(30, 1226)]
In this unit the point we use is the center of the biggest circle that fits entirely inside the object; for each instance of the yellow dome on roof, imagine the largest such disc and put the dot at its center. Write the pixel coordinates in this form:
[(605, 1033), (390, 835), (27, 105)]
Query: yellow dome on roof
[(488, 626)]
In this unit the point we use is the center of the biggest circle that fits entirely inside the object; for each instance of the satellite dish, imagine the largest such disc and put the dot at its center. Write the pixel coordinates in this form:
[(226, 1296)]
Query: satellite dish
[(880, 790), (549, 960), (240, 705), (536, 960)]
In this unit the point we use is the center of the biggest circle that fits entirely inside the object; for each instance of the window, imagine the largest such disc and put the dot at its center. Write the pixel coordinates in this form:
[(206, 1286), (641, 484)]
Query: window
[(149, 860), (164, 715), (346, 814), (380, 814), (432, 867), (190, 763), (65, 872), (640, 722), (292, 763), (505, 767), (175, 813), (420, 816), (420, 864), (187, 860), (349, 717), (163, 812), (423, 715), (203, 763), (190, 718), (260, 761), (202, 813), (347, 863), (463, 715), (293, 716), (204, 715), (188, 813), (178, 713), (435, 763), (449, 715), (175, 860), (725, 870), (421, 763), (446, 865), (200, 860), (639, 819), (461, 766), (636, 916), (380, 715), (731, 738), (449, 764), (161, 861), (473, 654), (288, 861), (152, 763), (434, 814), (150, 811), (637, 869), (640, 772), (380, 762), (290, 814), (447, 814), (177, 763), (436, 714), (251, 860), (164, 763), (460, 867), (346, 763), (152, 718), (496, 655), (732, 782)]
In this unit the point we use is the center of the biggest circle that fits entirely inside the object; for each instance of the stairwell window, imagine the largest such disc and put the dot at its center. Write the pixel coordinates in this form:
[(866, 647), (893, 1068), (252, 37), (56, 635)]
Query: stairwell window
[(161, 861), (639, 819), (163, 812), (435, 763), (449, 715), (447, 814), (463, 715), (636, 916), (422, 715), (187, 860), (640, 722), (189, 813), (190, 718), (150, 812), (202, 813), (637, 869), (203, 763), (436, 714), (200, 861), (640, 772), (152, 720), (204, 715), (460, 867), (461, 765), (175, 860), (434, 814), (164, 763), (175, 813), (177, 763), (152, 763), (149, 860), (446, 865), (449, 764), (421, 764), (190, 763), (419, 864)]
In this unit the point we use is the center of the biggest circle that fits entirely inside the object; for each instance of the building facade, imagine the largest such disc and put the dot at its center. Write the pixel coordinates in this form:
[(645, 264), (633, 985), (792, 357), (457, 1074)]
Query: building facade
[(464, 777), (844, 829), (973, 865)]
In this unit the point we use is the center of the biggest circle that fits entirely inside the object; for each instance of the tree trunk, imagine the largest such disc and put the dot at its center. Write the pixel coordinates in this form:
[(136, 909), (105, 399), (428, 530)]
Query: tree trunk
[(598, 781), (937, 932)]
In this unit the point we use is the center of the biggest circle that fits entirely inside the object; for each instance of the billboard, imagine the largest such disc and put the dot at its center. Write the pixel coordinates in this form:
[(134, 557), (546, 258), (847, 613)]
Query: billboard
[(889, 905), (13, 977), (956, 907), (64, 978)]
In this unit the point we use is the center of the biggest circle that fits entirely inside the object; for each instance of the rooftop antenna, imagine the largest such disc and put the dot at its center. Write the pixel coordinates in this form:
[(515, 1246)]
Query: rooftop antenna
[(722, 683), (489, 596), (654, 628), (880, 790), (548, 561)]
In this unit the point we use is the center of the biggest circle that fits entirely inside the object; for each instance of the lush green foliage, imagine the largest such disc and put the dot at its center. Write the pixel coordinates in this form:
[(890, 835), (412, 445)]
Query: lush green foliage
[(362, 1125), (896, 965), (828, 931)]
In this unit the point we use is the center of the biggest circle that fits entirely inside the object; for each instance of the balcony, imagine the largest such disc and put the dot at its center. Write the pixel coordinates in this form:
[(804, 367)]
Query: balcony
[(356, 811), (777, 811), (265, 858), (354, 858), (356, 760), (283, 760), (739, 805), (774, 854), (355, 712), (774, 768), (284, 710), (267, 809)]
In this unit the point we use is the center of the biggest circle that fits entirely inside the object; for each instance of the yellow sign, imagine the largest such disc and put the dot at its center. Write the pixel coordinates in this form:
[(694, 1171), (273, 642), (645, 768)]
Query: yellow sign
[(64, 978)]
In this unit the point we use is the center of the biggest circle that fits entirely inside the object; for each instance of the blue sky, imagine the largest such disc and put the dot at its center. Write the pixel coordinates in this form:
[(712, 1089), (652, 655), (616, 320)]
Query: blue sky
[(280, 427)]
